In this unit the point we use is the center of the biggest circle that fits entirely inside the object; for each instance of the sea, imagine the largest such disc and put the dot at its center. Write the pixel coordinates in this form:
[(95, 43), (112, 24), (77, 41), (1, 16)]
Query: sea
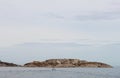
[(29, 72)]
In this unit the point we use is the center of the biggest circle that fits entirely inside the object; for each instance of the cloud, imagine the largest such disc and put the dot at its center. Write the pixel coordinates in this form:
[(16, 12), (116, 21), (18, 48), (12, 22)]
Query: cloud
[(53, 15), (99, 16), (31, 11), (15, 35)]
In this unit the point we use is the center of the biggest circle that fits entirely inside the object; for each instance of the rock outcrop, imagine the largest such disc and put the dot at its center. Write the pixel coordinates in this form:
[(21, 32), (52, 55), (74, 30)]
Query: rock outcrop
[(6, 64), (95, 64), (66, 63)]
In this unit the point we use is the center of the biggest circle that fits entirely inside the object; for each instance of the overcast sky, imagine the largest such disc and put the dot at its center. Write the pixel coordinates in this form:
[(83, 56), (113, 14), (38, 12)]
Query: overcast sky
[(62, 20), (93, 22)]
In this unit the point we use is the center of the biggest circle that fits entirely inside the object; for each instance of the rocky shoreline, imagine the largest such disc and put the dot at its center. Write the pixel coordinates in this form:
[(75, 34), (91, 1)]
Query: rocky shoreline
[(6, 64), (59, 63)]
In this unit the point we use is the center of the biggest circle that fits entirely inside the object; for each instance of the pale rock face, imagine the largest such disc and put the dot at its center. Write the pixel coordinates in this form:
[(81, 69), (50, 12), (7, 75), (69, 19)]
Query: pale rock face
[(58, 62), (75, 61)]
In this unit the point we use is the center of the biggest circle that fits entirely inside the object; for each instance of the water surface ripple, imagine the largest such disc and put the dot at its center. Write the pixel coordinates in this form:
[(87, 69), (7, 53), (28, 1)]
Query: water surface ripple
[(22, 72)]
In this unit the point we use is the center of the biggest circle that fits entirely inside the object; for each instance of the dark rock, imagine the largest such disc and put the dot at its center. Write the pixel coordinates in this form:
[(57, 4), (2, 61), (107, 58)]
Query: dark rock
[(6, 64)]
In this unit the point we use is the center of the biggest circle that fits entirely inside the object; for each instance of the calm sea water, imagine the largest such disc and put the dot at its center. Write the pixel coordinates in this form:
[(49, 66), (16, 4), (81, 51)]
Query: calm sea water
[(18, 72)]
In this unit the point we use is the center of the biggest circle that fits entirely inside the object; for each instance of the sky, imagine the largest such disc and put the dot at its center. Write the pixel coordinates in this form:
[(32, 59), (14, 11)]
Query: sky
[(93, 23)]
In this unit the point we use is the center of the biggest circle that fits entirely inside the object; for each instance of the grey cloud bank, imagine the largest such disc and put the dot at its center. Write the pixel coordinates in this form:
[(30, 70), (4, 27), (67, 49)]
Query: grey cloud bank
[(99, 16)]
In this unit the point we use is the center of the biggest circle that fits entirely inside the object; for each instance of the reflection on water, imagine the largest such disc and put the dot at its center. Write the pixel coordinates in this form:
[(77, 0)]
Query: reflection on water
[(18, 72)]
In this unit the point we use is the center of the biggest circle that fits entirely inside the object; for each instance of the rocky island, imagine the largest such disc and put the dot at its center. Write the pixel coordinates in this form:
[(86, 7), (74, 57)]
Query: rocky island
[(59, 63), (6, 64), (63, 63)]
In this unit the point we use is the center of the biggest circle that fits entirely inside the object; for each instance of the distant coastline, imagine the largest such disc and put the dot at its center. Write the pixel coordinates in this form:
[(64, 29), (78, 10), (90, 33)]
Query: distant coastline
[(59, 63)]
